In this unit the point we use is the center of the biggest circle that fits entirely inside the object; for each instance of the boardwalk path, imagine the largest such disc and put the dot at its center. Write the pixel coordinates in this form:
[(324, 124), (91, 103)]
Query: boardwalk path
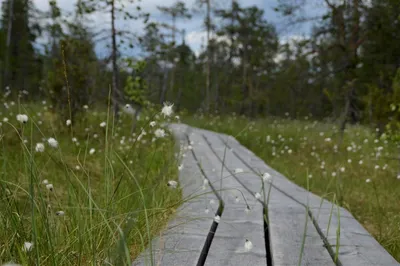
[(285, 224)]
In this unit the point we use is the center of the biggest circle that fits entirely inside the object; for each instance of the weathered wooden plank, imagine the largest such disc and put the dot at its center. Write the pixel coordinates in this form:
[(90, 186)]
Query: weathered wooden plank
[(287, 219), (181, 243), (294, 214), (236, 224), (356, 245), (289, 226)]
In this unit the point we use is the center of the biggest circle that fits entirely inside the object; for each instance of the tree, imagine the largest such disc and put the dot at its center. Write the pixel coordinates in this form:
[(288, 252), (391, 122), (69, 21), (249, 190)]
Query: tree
[(178, 10), (253, 36), (115, 8), (19, 70)]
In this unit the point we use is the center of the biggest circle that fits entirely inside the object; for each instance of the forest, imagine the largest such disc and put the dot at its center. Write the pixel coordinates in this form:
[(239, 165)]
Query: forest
[(346, 69)]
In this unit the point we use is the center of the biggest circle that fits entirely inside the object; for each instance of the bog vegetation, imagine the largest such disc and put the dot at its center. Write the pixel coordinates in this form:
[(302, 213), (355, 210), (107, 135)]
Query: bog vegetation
[(86, 82)]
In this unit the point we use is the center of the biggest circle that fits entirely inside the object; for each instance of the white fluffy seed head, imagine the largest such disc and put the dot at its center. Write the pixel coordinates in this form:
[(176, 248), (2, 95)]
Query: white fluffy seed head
[(39, 147), (172, 184), (267, 177), (103, 124), (248, 245), (27, 246), (167, 109), (22, 118), (68, 122), (60, 213), (53, 142), (50, 187), (159, 133)]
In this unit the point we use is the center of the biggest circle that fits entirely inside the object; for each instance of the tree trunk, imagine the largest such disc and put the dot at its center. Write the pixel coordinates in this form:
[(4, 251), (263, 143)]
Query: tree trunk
[(115, 89), (6, 78), (208, 70)]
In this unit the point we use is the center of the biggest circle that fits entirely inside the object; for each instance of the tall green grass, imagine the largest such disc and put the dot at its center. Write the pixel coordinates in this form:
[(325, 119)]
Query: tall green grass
[(109, 196), (359, 172)]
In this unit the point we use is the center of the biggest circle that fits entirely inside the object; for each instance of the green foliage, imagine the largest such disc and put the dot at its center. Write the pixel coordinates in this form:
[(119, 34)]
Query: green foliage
[(70, 81), (392, 114), (136, 86), (94, 184)]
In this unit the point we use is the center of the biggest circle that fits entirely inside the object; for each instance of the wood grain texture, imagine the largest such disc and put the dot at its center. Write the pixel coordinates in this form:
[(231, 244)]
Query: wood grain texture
[(303, 228), (334, 224)]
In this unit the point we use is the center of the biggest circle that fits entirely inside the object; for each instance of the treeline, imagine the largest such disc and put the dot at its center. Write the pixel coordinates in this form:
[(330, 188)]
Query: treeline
[(347, 69)]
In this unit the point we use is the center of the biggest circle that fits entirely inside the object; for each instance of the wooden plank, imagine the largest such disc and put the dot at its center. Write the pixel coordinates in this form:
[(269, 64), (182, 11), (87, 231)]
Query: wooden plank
[(181, 243), (287, 220), (289, 226), (236, 225), (356, 246)]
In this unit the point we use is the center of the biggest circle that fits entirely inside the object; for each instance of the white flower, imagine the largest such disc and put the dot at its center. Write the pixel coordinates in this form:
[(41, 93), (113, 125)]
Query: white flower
[(92, 151), (238, 170), (77, 167), (172, 184), (53, 142), (22, 118), (377, 167), (159, 133), (60, 213), (167, 109), (152, 123), (180, 167), (333, 174), (349, 160), (50, 187), (103, 124), (27, 246), (257, 195), (85, 107), (5, 119), (74, 139), (342, 169), (248, 245), (39, 147), (328, 140), (68, 123), (360, 162), (45, 182), (217, 219), (368, 180), (267, 177), (177, 117)]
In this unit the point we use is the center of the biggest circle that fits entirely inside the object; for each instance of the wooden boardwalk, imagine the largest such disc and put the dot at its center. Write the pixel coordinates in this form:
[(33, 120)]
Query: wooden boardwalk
[(285, 224)]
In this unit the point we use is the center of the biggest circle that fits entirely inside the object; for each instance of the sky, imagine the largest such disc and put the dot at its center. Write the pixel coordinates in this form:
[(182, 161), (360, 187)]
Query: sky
[(195, 32)]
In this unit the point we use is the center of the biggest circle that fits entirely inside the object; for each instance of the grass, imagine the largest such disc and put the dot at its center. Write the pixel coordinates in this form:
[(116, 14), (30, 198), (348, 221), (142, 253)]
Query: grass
[(109, 196), (360, 173)]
